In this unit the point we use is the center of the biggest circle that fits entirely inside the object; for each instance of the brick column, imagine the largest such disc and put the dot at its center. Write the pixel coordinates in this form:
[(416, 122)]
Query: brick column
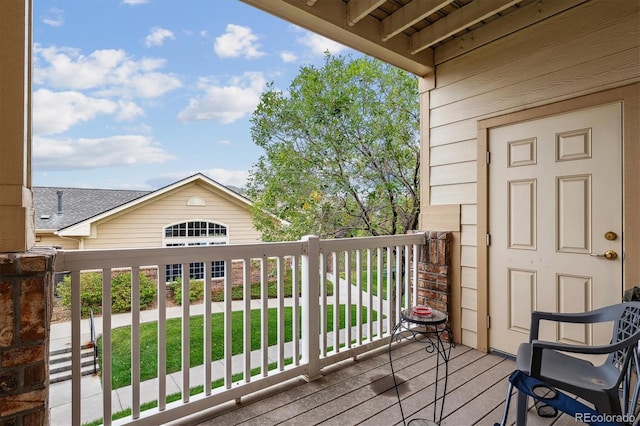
[(26, 300), (434, 271)]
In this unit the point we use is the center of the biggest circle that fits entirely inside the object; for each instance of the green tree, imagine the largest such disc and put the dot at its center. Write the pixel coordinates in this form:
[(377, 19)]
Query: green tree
[(341, 152)]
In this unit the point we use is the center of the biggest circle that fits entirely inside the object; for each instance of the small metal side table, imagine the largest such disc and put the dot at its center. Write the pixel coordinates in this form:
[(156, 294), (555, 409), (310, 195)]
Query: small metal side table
[(428, 330)]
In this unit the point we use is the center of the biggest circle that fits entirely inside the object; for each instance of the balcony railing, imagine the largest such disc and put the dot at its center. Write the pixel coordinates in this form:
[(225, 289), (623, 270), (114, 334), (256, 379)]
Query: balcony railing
[(360, 271)]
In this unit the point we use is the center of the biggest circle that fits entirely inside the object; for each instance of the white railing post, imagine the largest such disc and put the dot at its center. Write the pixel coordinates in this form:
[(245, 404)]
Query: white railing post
[(186, 330), (135, 342), (107, 370), (310, 306), (76, 313), (246, 318), (162, 337), (207, 343)]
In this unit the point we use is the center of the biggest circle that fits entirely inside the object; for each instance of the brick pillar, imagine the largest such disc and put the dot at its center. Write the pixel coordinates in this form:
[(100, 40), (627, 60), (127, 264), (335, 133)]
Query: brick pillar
[(26, 300), (434, 271)]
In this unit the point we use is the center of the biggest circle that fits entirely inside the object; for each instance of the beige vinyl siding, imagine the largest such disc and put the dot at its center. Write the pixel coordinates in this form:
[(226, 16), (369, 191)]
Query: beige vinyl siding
[(468, 276), (455, 132), (143, 225), (50, 240), (587, 49), (458, 152), (453, 173)]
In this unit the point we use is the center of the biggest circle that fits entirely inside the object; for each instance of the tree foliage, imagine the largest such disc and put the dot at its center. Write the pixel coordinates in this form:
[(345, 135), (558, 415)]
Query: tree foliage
[(341, 152)]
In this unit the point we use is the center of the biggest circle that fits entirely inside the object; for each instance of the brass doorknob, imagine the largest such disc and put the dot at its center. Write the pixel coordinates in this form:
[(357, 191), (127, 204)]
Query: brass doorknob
[(609, 255)]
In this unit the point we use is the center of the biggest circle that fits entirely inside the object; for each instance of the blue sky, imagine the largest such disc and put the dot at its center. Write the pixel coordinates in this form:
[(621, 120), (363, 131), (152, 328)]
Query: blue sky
[(136, 94)]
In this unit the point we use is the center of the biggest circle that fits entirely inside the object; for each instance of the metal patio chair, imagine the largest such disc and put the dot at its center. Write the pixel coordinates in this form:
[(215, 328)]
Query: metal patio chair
[(603, 385)]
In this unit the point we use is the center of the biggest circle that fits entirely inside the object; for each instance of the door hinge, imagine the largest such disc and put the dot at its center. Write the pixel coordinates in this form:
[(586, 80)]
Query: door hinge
[(488, 157), (488, 321), (488, 241)]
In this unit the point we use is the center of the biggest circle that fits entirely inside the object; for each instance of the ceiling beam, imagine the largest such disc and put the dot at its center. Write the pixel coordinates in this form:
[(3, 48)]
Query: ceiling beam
[(410, 14), (517, 20), (358, 9), (457, 21), (329, 19)]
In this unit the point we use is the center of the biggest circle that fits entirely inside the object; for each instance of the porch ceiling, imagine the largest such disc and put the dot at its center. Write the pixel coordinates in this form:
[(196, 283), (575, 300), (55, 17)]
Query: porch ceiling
[(414, 35)]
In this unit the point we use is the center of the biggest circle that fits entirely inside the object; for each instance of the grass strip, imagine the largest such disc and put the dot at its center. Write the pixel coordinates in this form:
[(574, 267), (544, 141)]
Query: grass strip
[(121, 341)]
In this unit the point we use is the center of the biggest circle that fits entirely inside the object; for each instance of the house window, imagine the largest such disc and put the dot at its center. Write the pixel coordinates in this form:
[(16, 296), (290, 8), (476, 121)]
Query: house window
[(195, 233)]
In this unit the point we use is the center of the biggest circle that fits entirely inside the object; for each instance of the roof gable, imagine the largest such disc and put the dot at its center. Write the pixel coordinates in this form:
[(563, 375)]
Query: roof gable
[(82, 207)]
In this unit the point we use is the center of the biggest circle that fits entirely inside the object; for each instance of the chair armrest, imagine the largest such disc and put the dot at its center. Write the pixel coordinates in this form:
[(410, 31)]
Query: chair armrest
[(598, 315), (538, 346)]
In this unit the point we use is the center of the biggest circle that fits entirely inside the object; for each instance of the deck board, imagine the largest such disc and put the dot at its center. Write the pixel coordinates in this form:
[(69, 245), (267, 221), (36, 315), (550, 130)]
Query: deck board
[(361, 392)]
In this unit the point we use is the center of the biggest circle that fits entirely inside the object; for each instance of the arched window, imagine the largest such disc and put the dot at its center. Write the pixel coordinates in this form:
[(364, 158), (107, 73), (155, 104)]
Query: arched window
[(195, 233)]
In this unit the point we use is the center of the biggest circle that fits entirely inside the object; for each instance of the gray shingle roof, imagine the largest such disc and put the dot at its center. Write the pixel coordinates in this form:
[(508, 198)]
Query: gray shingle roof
[(78, 204)]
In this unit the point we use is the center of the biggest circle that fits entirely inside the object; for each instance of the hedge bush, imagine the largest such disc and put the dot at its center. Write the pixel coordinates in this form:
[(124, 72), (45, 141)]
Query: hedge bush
[(91, 292), (196, 290)]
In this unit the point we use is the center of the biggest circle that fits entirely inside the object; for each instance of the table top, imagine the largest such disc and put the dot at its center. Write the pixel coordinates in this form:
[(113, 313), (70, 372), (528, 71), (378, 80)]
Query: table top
[(437, 317)]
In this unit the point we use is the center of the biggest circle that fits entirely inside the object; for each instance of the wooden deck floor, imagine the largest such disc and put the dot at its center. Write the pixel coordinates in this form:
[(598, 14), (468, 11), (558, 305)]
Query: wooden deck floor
[(362, 393)]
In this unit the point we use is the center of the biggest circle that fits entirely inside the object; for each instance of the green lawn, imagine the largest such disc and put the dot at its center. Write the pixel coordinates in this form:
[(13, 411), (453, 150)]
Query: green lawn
[(121, 341)]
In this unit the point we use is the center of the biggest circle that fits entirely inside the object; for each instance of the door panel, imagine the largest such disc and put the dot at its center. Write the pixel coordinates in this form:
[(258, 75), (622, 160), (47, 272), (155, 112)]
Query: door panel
[(522, 214), (574, 214), (555, 189)]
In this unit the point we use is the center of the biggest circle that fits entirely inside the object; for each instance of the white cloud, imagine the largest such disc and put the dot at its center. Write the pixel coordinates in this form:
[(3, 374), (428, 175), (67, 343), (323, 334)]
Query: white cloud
[(236, 178), (319, 45), (56, 112), (227, 103), (224, 142), (109, 72), (139, 128), (158, 36), (134, 2), (132, 186), (147, 85), (238, 41), (54, 17), (74, 154), (288, 57), (68, 68), (127, 111)]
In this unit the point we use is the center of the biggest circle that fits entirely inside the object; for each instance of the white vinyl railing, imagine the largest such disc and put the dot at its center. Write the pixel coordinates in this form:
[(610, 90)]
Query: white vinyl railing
[(359, 270)]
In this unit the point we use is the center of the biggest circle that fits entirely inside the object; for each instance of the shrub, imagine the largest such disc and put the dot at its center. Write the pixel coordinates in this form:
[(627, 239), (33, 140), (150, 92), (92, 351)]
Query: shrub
[(91, 292), (196, 290)]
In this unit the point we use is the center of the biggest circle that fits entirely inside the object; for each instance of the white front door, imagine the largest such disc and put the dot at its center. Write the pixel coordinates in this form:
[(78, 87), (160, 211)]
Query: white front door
[(555, 209)]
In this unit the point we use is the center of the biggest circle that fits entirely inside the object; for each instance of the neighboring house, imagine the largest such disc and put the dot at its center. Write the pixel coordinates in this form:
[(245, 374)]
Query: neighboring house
[(193, 211)]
